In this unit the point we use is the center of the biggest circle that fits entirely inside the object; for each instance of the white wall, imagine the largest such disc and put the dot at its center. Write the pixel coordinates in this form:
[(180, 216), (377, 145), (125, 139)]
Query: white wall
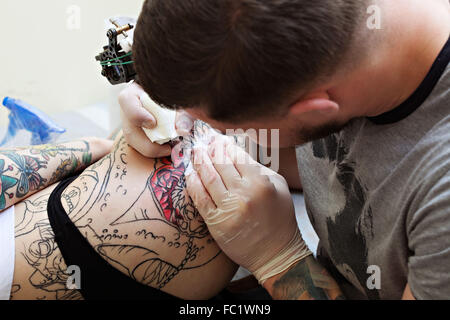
[(48, 64)]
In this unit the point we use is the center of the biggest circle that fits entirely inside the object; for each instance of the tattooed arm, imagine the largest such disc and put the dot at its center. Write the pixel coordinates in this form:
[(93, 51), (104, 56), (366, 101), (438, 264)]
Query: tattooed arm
[(25, 171), (306, 280)]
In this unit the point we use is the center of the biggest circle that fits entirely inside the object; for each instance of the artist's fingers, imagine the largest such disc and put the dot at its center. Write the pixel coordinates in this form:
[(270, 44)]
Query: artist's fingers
[(223, 164), (184, 123), (210, 177), (243, 162), (133, 111), (137, 138), (200, 197)]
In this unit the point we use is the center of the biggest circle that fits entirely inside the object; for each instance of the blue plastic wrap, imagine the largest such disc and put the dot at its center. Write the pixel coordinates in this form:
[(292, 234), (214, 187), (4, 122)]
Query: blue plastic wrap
[(26, 118)]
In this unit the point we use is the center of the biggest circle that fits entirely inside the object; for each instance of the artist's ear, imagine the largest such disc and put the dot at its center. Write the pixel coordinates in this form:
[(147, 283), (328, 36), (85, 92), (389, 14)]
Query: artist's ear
[(317, 101)]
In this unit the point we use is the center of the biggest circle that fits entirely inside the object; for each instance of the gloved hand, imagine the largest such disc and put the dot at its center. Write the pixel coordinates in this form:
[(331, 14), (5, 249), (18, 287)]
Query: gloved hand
[(248, 209), (135, 117)]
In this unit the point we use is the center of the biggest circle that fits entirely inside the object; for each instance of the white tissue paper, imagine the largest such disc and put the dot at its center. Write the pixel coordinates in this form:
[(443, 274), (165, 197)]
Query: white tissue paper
[(165, 130)]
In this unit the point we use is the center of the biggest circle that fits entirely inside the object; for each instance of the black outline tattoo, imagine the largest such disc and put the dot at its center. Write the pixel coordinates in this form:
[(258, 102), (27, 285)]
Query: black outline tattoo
[(128, 243), (41, 252), (165, 188)]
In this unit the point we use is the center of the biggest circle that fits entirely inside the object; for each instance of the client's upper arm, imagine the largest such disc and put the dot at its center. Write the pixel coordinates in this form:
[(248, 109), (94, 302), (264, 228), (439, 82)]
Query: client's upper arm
[(136, 214)]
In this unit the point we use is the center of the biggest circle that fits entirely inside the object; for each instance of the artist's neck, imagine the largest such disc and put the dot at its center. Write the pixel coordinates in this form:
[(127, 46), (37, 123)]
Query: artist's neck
[(417, 32), (400, 55)]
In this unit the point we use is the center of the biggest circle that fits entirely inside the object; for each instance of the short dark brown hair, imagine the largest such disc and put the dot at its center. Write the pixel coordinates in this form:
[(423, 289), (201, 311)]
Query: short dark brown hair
[(239, 59)]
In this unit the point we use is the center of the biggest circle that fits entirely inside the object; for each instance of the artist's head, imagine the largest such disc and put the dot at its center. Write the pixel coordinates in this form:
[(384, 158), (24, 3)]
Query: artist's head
[(275, 64)]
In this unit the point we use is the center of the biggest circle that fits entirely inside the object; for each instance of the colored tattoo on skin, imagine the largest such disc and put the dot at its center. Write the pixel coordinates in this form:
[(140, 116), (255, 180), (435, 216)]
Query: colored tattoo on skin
[(66, 167), (307, 280), (6, 183), (29, 177), (135, 251), (48, 151), (25, 171), (69, 164), (166, 187), (133, 241)]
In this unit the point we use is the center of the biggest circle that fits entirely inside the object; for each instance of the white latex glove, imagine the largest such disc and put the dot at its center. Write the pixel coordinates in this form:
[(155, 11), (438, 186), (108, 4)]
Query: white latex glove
[(248, 209), (135, 117)]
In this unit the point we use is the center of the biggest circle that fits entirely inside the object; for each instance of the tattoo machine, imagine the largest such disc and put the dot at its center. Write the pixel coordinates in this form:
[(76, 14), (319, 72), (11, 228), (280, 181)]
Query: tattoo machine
[(116, 58), (117, 67)]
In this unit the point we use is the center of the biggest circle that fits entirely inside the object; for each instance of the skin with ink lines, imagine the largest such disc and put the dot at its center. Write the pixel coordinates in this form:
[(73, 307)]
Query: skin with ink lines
[(136, 215), (29, 170)]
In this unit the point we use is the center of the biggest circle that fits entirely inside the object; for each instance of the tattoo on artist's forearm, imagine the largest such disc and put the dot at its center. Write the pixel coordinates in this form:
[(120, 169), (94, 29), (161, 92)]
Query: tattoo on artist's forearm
[(307, 280)]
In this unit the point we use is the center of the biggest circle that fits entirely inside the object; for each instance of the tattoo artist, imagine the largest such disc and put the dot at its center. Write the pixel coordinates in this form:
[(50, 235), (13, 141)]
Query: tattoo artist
[(360, 91)]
